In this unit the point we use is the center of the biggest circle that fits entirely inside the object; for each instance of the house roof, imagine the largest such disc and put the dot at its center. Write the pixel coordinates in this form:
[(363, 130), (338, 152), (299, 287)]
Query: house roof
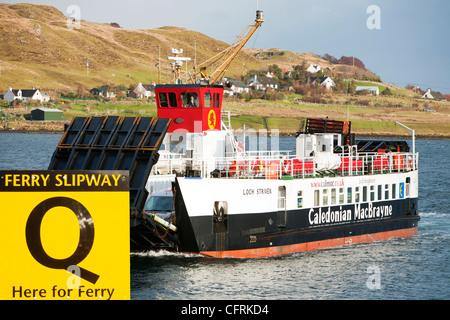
[(101, 89), (321, 79), (236, 83), (265, 80), (314, 67), (25, 93), (28, 93), (47, 109), (362, 88), (149, 87), (437, 95)]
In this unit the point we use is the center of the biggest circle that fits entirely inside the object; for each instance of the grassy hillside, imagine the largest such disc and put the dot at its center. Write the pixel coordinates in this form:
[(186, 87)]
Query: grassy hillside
[(40, 50)]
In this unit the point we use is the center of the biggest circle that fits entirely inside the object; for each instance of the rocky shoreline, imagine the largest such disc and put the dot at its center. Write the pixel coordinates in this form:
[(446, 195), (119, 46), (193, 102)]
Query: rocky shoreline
[(33, 126), (57, 127)]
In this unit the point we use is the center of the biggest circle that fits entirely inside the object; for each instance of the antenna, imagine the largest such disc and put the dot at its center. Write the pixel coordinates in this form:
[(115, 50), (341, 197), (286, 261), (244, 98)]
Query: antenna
[(176, 66)]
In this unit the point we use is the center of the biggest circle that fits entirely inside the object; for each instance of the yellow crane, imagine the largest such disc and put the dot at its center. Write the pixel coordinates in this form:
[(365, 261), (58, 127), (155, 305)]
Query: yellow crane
[(223, 59)]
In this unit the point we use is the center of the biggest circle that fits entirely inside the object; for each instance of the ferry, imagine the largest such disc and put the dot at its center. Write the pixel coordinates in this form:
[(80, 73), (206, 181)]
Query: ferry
[(224, 200), (196, 186)]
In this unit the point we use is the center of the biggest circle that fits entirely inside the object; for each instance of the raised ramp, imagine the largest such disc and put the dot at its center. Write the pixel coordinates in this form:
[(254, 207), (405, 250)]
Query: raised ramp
[(113, 143)]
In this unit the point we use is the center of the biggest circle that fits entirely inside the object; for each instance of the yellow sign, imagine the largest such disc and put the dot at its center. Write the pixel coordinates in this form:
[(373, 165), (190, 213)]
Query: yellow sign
[(212, 119), (65, 235)]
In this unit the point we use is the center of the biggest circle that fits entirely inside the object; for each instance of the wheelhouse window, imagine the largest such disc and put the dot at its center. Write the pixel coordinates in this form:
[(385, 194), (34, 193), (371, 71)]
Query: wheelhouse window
[(189, 99), (171, 101), (208, 100), (217, 104), (163, 100)]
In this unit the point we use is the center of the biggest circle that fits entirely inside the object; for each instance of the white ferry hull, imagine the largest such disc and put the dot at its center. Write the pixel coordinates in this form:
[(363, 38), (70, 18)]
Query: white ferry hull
[(257, 222)]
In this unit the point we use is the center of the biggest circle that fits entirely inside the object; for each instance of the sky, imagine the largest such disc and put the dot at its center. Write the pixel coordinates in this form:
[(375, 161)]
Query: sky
[(402, 41)]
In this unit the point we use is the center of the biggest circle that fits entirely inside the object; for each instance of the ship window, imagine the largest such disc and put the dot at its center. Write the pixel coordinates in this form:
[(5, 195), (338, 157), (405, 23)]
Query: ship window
[(394, 194), (300, 199), (172, 99), (386, 192), (216, 102), (208, 100), (316, 198), (408, 181), (341, 195), (333, 196), (190, 99), (380, 192), (349, 195), (325, 197), (364, 194), (372, 193), (163, 100), (356, 194)]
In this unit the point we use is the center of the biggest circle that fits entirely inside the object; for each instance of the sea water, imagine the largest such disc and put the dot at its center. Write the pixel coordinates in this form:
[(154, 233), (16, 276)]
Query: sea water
[(410, 268)]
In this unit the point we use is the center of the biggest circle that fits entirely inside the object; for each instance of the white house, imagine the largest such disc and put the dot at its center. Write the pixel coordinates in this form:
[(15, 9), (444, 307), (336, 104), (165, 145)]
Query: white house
[(433, 95), (147, 90), (46, 97), (367, 90), (103, 92), (24, 95), (232, 86), (262, 83), (313, 68), (324, 81)]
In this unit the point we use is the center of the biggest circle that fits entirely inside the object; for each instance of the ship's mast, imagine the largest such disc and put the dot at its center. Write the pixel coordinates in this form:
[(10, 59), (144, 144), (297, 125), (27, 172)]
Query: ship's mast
[(177, 64)]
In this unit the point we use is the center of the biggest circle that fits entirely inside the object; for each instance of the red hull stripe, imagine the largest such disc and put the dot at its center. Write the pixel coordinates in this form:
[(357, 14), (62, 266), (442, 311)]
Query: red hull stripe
[(309, 246)]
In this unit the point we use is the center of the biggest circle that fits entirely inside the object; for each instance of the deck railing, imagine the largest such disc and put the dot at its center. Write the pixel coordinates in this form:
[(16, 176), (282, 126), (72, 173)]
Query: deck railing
[(285, 167)]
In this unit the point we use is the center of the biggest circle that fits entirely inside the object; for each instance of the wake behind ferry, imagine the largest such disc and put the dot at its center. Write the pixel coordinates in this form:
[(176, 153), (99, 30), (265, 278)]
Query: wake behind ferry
[(196, 188)]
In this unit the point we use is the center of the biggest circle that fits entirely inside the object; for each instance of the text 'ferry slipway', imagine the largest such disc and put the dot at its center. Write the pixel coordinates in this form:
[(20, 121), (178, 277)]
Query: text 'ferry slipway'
[(195, 188)]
